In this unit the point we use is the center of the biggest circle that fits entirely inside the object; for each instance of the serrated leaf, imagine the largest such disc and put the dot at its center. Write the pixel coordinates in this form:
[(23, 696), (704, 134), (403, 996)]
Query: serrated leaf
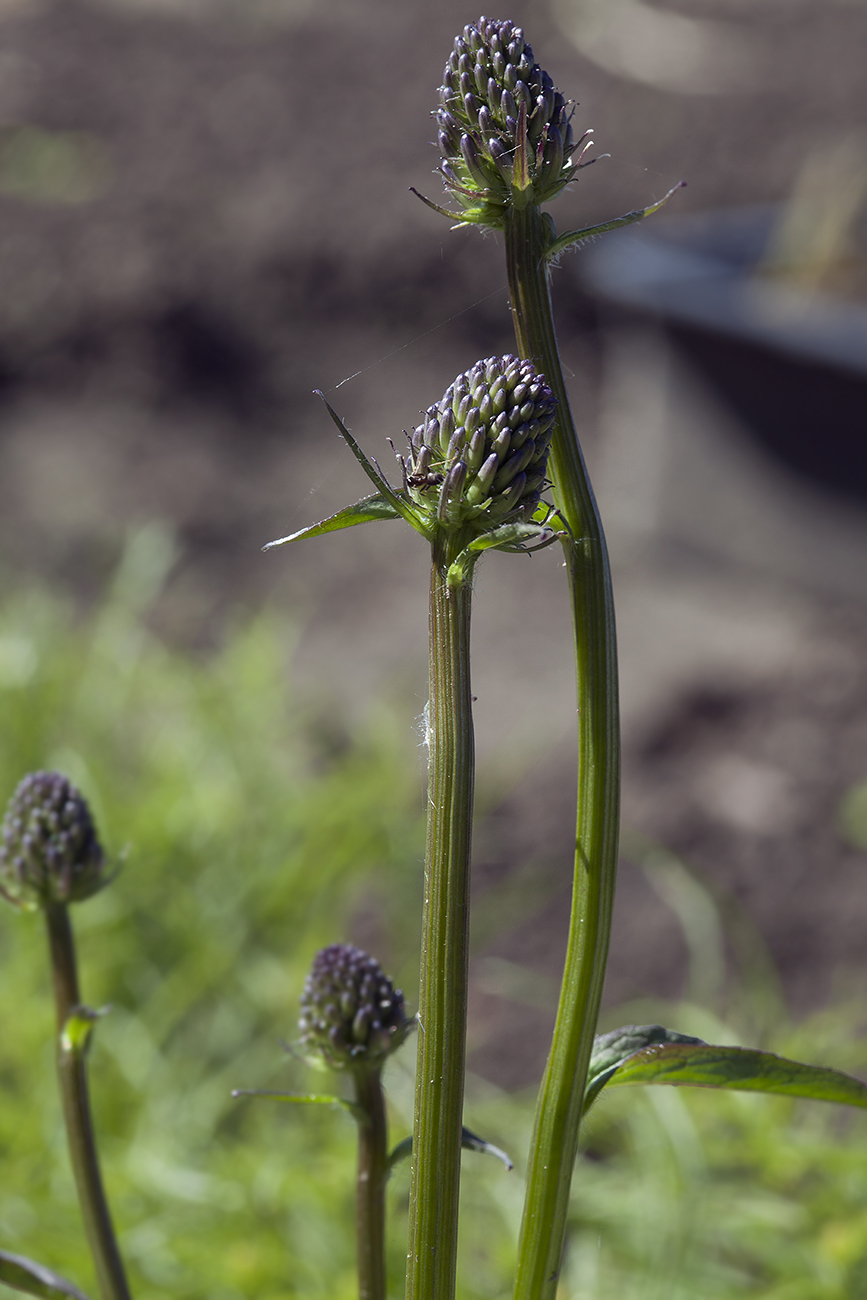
[(22, 1274), (366, 511), (665, 1057), (469, 1141)]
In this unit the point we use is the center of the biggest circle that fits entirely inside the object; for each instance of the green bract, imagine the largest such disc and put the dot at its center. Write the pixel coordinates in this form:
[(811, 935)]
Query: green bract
[(504, 130), (475, 468), (50, 852), (351, 1013)]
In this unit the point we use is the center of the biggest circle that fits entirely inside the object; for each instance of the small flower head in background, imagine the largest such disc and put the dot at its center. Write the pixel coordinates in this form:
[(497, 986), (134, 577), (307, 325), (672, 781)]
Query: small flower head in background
[(49, 850), (351, 1013)]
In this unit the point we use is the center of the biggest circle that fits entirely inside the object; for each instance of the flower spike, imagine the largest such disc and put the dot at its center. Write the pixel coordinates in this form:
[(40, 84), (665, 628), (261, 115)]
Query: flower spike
[(504, 131)]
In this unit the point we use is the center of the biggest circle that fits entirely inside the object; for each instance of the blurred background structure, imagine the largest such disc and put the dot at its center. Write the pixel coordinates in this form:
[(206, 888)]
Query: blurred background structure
[(205, 214)]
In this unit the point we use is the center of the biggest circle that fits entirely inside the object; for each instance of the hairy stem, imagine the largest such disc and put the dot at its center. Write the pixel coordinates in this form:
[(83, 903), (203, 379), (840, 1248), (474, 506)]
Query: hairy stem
[(436, 1152), (370, 1187), (72, 1076), (558, 1112)]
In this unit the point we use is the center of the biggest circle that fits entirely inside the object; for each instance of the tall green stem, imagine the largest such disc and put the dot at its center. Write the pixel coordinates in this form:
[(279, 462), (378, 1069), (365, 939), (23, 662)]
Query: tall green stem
[(443, 993), (558, 1113), (72, 1076), (370, 1187)]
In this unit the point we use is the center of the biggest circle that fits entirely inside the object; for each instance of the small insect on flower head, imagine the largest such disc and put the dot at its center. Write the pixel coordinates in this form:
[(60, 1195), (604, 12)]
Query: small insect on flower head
[(480, 456)]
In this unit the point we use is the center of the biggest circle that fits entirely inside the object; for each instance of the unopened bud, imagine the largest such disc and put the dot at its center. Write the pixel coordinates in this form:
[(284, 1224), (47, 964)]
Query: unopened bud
[(49, 850), (493, 466), (351, 1013), (490, 74)]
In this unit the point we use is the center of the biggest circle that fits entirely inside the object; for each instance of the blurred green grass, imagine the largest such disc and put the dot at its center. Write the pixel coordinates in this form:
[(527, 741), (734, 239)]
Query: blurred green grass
[(255, 834)]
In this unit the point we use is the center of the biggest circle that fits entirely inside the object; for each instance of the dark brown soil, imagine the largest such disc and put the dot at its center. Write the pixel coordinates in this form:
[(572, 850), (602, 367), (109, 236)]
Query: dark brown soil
[(236, 230)]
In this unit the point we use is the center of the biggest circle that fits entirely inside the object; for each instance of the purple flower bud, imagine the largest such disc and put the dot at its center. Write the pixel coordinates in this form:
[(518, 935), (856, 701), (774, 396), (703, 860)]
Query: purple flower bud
[(475, 450), (481, 485), (479, 465), (351, 1013), (49, 851), (508, 107), (502, 159), (499, 73), (473, 161), (486, 123)]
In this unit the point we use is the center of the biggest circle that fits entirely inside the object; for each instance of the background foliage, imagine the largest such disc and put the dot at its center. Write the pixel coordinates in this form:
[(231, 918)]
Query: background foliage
[(256, 834)]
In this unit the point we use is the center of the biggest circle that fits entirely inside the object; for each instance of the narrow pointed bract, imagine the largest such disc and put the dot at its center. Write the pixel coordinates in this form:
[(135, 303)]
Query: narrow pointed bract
[(477, 461)]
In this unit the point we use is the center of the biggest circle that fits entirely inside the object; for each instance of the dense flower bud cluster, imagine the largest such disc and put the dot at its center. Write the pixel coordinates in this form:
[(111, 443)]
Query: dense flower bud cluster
[(480, 456), (493, 98), (351, 1012), (49, 851)]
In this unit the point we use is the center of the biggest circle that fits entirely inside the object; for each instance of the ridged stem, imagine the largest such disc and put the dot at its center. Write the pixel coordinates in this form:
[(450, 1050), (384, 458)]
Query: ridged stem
[(370, 1186), (558, 1113), (72, 1077), (442, 1014)]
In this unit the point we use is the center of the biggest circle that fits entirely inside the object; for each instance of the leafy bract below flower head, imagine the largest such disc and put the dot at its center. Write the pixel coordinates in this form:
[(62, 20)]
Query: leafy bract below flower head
[(474, 472), (351, 1013), (504, 130), (480, 456), (49, 851)]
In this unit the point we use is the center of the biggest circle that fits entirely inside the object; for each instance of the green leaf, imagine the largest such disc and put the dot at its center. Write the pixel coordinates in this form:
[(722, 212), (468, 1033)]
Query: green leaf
[(612, 1049), (651, 1054), (363, 512), (306, 1099), (469, 1141), (78, 1029), (575, 237), (23, 1274)]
